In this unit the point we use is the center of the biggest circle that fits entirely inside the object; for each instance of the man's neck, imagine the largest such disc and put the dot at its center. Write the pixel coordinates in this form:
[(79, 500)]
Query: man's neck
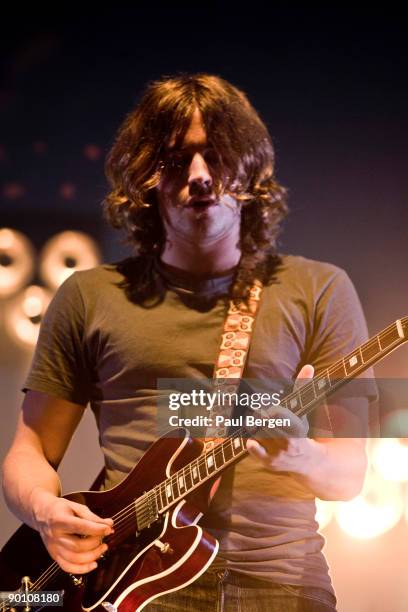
[(201, 260)]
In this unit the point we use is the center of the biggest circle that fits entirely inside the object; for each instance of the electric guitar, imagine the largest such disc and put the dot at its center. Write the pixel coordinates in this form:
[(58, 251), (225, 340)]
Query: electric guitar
[(158, 545)]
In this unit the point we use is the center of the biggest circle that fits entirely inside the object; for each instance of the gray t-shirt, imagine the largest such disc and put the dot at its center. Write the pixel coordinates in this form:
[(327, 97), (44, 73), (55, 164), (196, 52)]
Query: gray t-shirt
[(98, 346)]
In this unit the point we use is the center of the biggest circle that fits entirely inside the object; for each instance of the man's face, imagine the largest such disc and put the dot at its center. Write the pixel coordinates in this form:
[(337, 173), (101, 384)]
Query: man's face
[(188, 205)]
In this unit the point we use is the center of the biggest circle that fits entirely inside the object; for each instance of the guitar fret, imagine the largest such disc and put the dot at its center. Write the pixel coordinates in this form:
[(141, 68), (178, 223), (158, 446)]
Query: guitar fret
[(294, 401), (195, 473), (188, 477), (353, 362), (307, 394), (337, 371), (174, 486), (371, 349), (228, 451), (156, 493), (322, 383), (237, 446), (389, 337), (181, 483), (219, 456), (157, 497), (202, 469), (210, 462), (163, 494)]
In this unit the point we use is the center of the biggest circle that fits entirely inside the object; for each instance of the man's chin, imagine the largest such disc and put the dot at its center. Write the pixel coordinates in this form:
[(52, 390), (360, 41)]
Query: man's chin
[(204, 232)]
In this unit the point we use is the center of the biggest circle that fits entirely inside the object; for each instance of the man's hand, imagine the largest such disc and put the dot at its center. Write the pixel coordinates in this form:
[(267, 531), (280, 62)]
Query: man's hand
[(288, 453), (71, 533)]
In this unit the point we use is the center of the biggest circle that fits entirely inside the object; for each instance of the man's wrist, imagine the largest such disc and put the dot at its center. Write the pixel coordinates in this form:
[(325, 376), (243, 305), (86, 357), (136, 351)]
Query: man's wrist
[(38, 498), (313, 458)]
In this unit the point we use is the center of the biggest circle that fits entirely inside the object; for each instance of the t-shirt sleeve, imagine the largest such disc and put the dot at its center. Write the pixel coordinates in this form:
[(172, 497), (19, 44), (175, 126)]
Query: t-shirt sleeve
[(60, 364), (339, 328)]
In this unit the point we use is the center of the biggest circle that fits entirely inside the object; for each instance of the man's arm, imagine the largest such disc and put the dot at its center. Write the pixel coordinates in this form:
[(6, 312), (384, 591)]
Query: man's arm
[(332, 468), (32, 487)]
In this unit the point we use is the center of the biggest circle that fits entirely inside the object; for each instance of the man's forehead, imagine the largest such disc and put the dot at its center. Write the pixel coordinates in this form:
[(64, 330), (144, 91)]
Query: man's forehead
[(195, 136)]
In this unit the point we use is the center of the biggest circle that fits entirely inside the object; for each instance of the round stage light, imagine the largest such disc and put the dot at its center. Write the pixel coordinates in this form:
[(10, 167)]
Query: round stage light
[(390, 458), (65, 253), (23, 314), (375, 511), (17, 257)]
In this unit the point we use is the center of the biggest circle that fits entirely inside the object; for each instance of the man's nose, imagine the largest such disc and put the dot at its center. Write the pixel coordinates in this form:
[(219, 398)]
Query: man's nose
[(199, 180)]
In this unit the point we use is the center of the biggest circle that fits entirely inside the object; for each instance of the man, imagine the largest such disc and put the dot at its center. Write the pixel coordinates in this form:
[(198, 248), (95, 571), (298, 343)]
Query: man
[(192, 177)]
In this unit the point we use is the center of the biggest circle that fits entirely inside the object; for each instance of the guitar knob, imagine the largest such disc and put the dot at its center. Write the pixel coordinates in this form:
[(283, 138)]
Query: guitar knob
[(164, 547), (77, 580), (109, 607)]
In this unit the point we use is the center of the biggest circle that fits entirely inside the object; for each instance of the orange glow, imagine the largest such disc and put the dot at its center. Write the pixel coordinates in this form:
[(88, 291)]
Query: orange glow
[(376, 510)]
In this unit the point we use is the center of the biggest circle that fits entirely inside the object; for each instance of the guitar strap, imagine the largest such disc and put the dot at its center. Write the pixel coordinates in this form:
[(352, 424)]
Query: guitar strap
[(232, 354)]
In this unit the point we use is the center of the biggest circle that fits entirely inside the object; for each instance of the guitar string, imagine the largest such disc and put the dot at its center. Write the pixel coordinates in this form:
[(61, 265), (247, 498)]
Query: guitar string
[(124, 516)]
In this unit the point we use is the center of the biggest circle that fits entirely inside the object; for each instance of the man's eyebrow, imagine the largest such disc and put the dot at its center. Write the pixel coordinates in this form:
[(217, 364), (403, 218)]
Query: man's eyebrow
[(189, 147)]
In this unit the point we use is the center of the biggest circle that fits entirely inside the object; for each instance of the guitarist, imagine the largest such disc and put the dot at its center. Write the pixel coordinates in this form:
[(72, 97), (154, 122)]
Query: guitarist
[(193, 186)]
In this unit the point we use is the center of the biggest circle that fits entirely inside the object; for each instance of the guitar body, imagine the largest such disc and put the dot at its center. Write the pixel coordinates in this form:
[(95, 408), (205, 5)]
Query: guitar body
[(138, 566)]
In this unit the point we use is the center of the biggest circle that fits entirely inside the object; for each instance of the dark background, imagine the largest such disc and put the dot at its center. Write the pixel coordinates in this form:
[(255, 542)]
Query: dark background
[(330, 83)]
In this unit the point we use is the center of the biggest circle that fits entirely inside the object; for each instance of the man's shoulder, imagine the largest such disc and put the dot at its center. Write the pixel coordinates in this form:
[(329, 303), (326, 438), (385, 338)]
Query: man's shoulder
[(305, 268), (302, 277), (108, 273)]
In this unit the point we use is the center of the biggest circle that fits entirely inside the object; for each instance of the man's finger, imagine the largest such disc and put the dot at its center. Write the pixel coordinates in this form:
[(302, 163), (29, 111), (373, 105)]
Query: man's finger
[(80, 544), (75, 525), (83, 558), (256, 450), (84, 512), (305, 374)]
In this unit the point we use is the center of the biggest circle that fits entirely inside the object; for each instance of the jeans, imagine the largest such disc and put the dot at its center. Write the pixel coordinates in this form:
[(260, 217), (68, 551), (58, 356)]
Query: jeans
[(227, 591)]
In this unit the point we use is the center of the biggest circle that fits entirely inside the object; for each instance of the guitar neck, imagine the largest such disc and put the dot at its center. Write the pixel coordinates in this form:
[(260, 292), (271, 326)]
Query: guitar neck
[(302, 401)]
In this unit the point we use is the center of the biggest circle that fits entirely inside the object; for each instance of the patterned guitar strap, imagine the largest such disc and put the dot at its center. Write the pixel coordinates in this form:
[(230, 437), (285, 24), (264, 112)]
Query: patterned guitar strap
[(229, 366)]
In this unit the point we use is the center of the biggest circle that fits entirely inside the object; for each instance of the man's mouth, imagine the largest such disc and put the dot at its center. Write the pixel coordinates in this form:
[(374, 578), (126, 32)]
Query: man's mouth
[(201, 203)]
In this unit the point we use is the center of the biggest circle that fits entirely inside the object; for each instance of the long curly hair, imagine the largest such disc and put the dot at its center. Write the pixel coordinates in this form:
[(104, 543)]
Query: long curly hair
[(134, 167)]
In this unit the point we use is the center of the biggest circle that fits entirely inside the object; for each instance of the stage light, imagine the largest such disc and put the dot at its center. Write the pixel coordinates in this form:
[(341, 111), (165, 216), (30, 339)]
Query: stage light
[(395, 424), (375, 511), (92, 152), (23, 314), (16, 261), (390, 459), (65, 253), (324, 512), (406, 503)]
